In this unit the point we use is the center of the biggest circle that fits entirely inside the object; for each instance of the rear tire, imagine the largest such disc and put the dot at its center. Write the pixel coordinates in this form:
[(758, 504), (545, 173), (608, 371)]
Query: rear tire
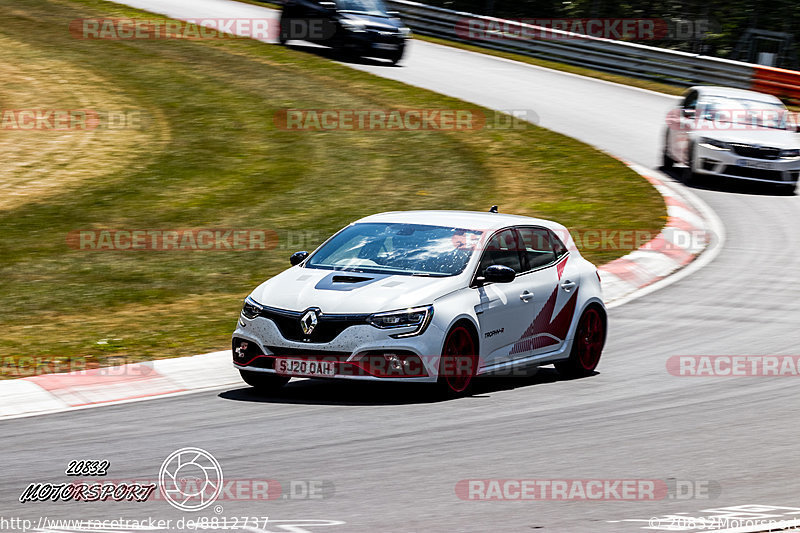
[(587, 347), (459, 363), (263, 382)]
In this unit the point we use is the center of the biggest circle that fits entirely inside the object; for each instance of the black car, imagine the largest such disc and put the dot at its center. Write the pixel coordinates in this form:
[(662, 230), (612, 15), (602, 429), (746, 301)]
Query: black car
[(358, 27)]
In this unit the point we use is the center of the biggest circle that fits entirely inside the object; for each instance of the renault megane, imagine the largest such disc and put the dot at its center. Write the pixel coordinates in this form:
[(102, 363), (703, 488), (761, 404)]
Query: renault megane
[(426, 296)]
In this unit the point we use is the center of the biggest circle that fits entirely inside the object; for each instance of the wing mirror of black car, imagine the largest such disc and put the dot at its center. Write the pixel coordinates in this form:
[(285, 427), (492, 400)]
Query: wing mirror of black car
[(298, 257), (688, 113), (499, 274), (330, 6), (395, 14)]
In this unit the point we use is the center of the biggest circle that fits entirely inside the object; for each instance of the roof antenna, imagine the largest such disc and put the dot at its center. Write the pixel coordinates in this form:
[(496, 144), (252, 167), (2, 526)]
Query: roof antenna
[(493, 209)]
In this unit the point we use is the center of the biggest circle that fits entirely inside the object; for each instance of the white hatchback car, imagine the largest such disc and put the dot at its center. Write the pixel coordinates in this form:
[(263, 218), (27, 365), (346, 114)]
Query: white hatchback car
[(733, 133), (426, 296)]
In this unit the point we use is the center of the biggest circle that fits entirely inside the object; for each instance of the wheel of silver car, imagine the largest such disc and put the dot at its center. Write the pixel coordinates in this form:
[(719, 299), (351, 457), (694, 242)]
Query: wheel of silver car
[(263, 382), (668, 161), (590, 337), (689, 176), (459, 362)]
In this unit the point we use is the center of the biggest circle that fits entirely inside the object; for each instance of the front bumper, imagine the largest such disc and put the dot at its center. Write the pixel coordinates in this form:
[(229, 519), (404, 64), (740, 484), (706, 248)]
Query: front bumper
[(360, 352), (373, 43), (728, 164)]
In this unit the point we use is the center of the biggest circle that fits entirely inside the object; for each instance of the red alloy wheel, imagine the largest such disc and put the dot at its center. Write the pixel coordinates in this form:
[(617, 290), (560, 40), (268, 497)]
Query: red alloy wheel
[(459, 360), (589, 339)]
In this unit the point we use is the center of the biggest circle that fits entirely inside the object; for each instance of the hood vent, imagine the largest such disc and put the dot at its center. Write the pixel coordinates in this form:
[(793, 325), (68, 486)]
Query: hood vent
[(350, 279)]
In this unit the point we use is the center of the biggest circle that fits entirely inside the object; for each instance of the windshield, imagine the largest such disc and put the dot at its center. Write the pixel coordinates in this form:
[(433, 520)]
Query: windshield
[(363, 7), (410, 249), (745, 112)]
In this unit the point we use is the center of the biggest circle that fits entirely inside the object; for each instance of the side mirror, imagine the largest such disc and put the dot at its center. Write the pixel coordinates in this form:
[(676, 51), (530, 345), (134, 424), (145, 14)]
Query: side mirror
[(298, 257), (330, 6), (499, 274), (688, 113), (395, 14)]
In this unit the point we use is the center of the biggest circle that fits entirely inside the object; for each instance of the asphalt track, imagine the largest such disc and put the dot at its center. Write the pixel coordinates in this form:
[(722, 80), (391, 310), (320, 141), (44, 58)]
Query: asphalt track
[(394, 455)]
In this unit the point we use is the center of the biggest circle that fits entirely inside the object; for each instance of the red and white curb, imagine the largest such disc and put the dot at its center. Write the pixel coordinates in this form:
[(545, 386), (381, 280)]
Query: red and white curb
[(691, 238), (50, 393), (677, 251)]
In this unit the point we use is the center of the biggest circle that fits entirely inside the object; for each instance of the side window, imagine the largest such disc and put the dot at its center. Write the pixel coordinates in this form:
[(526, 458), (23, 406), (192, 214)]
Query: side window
[(558, 246), (537, 247), (690, 102), (501, 250)]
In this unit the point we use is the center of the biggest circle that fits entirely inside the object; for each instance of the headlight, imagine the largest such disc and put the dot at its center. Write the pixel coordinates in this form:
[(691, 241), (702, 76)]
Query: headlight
[(404, 31), (714, 144), (790, 154), (251, 309), (352, 25), (417, 317)]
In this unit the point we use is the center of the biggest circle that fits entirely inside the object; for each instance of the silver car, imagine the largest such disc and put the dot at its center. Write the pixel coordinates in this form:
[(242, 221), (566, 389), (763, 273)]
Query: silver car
[(733, 133)]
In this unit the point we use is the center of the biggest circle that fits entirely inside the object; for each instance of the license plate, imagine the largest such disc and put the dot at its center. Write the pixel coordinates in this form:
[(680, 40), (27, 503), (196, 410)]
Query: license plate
[(384, 46), (755, 164), (299, 367)]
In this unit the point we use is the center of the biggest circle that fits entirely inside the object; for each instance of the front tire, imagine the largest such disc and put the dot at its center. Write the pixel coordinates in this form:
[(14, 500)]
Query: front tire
[(590, 337), (398, 55), (459, 363), (283, 31), (689, 175), (263, 382), (668, 161)]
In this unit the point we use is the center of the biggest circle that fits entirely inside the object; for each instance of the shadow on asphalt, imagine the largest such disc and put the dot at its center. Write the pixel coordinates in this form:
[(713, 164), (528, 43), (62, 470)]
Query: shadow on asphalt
[(720, 184), (334, 55), (356, 393)]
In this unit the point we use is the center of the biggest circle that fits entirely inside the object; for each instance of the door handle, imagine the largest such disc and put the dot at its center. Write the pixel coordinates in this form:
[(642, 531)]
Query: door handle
[(568, 285), (525, 296)]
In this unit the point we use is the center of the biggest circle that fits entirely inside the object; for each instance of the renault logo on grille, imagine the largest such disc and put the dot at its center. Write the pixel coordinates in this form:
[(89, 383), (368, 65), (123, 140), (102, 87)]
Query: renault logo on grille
[(309, 321)]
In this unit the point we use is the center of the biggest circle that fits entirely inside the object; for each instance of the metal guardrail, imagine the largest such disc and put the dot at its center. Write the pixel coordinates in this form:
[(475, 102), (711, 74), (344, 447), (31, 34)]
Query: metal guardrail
[(630, 59)]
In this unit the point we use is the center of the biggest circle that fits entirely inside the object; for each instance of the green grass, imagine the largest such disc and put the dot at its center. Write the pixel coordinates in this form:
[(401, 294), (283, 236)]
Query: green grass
[(209, 155)]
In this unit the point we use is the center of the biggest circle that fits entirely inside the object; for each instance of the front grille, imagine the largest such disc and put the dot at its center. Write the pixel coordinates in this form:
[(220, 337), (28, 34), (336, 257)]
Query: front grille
[(747, 172), (757, 152), (309, 354), (328, 326), (383, 36)]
